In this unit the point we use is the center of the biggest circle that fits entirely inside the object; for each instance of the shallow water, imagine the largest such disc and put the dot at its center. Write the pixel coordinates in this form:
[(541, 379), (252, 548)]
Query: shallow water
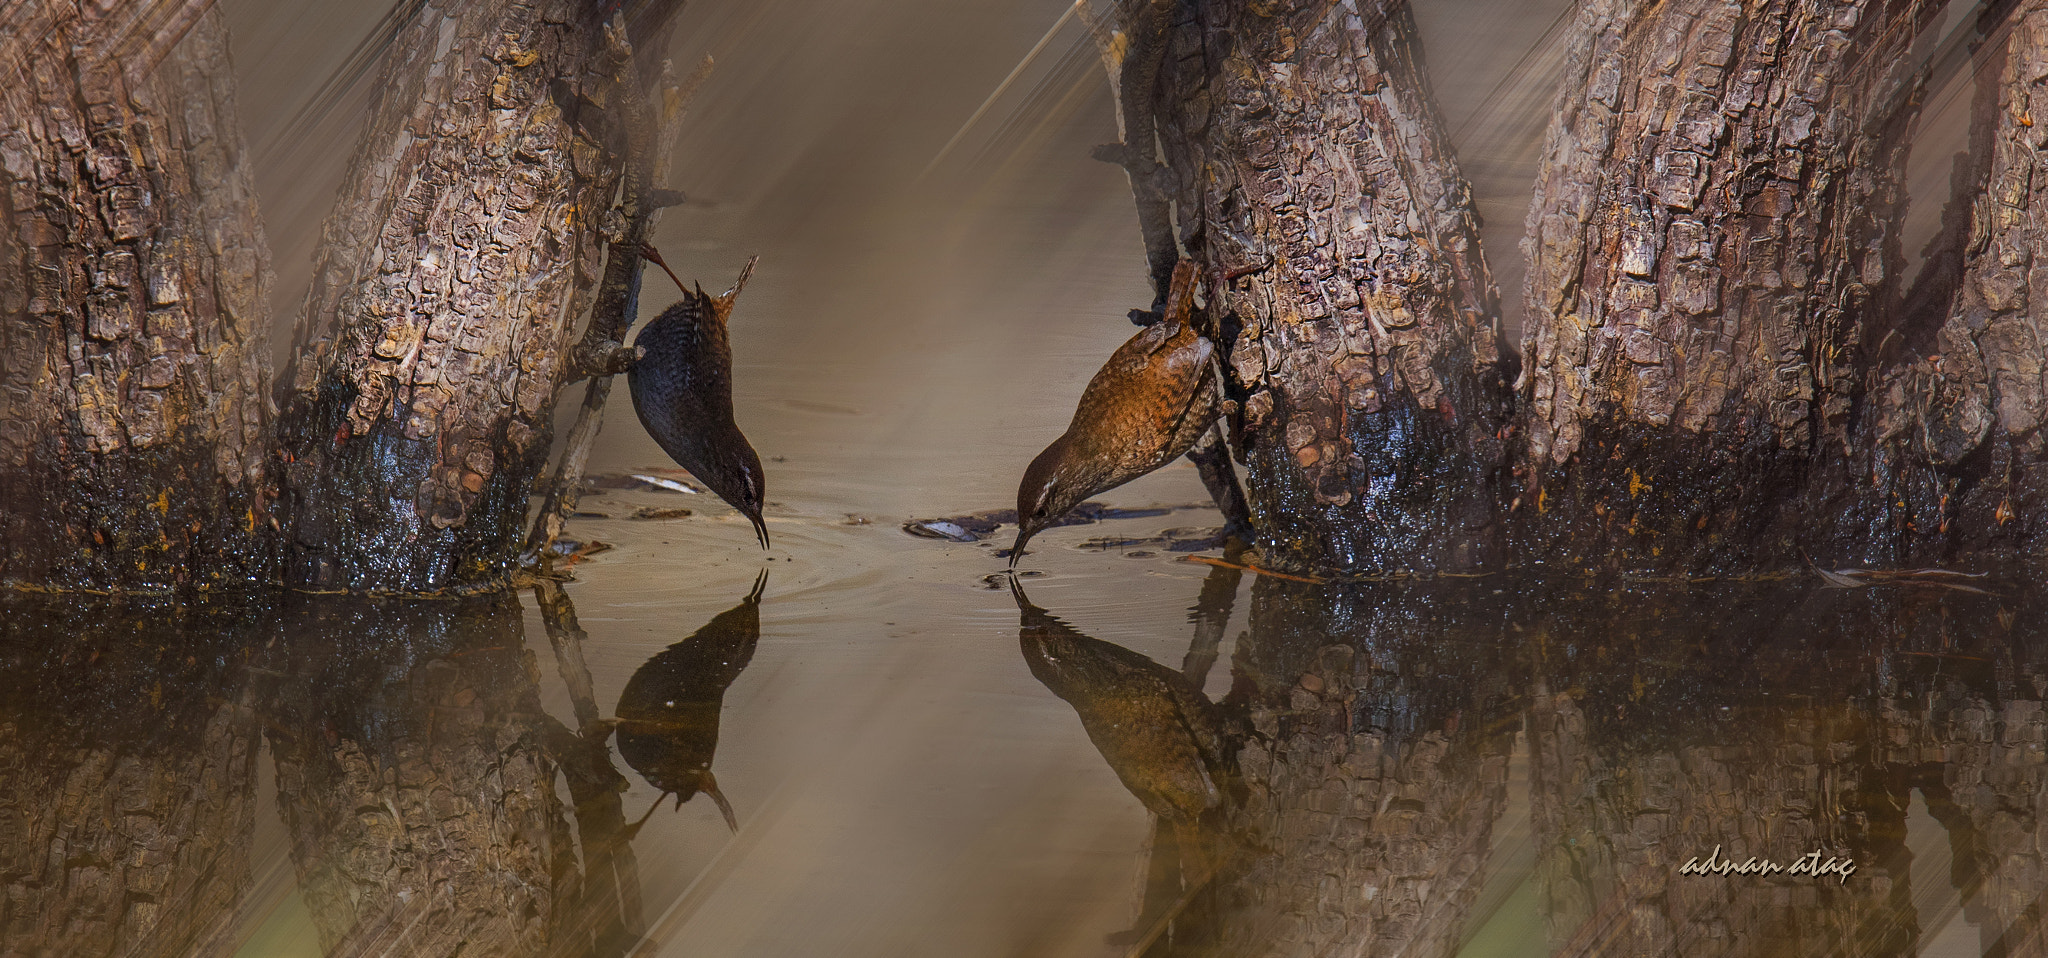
[(917, 766)]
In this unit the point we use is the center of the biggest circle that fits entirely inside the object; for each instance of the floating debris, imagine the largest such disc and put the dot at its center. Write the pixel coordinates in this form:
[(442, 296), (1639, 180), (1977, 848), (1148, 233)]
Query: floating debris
[(572, 551), (653, 513), (589, 514), (669, 484), (983, 525), (1183, 539), (1001, 580), (856, 520), (638, 481), (939, 529), (1255, 570), (1936, 578)]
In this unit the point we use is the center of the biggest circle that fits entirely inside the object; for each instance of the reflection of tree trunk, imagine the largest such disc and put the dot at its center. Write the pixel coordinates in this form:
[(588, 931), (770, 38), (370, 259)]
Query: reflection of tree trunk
[(1374, 804), (412, 776), (1304, 156), (1772, 724), (1982, 762), (133, 276), (126, 820), (606, 901), (1615, 825)]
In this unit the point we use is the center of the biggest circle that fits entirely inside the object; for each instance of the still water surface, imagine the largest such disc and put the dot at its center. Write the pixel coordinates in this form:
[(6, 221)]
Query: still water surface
[(1141, 756)]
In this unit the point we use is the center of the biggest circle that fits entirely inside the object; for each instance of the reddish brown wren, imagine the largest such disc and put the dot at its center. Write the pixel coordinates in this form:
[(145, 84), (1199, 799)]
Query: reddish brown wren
[(1145, 408)]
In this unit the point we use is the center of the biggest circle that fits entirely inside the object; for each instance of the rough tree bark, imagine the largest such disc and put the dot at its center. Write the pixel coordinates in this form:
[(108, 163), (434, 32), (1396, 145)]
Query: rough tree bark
[(1955, 462), (450, 280), (1710, 249), (1306, 167), (133, 276), (1723, 374)]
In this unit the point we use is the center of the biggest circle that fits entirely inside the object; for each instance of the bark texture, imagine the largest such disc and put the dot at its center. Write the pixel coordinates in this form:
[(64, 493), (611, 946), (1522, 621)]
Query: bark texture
[(451, 276), (129, 750), (133, 276), (1710, 248), (1953, 471), (1306, 167)]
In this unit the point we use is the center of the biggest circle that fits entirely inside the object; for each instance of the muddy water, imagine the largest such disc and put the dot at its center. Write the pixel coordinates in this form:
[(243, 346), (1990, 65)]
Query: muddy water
[(1168, 757)]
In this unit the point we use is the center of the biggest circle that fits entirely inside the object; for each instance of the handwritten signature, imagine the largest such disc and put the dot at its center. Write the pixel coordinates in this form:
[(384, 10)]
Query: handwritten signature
[(1810, 863)]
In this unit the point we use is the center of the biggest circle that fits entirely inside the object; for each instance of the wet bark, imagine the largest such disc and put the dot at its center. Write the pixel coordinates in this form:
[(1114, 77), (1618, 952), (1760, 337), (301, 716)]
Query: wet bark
[(461, 255), (133, 276), (1305, 167), (129, 747), (1711, 249)]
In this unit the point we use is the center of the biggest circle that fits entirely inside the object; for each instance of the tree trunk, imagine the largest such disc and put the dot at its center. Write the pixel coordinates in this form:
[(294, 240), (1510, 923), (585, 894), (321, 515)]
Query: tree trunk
[(1710, 248), (1955, 460), (451, 277), (133, 276), (1356, 315)]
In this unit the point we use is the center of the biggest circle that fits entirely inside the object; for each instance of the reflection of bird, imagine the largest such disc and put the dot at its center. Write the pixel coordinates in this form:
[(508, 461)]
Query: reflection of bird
[(1148, 405), (682, 389), (668, 714), (1164, 739)]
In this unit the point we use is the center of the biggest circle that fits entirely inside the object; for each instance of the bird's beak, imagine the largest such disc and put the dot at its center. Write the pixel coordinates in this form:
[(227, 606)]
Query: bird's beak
[(760, 529), (1017, 550)]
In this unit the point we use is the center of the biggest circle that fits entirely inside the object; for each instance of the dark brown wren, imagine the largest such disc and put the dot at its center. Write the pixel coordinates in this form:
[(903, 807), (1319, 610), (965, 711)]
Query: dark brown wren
[(682, 389), (1145, 408)]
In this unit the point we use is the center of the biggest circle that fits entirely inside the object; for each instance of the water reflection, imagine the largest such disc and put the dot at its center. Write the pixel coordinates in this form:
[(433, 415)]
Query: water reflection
[(1412, 767), (668, 714), (128, 752), (416, 775), (1834, 734), (1173, 748)]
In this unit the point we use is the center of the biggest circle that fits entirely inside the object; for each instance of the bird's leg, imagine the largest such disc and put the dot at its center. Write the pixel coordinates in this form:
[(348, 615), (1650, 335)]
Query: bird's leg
[(1211, 457)]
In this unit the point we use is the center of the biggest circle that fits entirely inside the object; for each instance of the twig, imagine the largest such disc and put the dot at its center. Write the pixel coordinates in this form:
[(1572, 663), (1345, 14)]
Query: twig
[(1138, 89), (1255, 570), (602, 354)]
